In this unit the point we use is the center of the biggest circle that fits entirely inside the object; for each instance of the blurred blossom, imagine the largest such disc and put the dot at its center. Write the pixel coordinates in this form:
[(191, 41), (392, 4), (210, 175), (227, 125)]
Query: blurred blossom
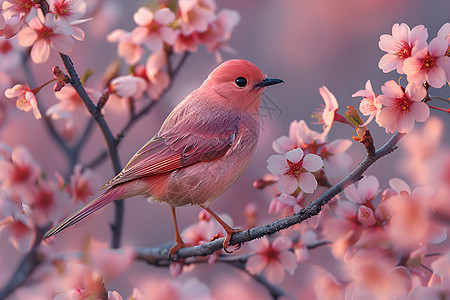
[(126, 48), (19, 231), (26, 99), (71, 107), (158, 79), (82, 184), (326, 286), (369, 105), (402, 108), (43, 33), (10, 54), (364, 191), (377, 276), (400, 44), (128, 86), (294, 170), (429, 64), (219, 32), (271, 259), (301, 246), (196, 15), (336, 160), (159, 288), (411, 213), (153, 29), (21, 171)]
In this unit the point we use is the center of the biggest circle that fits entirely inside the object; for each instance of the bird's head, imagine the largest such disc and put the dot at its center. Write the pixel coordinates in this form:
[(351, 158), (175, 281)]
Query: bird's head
[(239, 83)]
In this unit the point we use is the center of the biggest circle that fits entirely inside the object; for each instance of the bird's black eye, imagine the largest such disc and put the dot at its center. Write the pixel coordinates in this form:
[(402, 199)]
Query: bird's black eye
[(241, 81)]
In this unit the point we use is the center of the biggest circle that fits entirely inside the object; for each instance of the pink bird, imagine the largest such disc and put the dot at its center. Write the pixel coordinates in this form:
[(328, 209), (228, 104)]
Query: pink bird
[(202, 148)]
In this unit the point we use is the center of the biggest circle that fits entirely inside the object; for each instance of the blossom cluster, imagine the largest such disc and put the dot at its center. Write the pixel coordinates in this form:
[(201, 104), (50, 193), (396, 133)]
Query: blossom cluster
[(424, 64)]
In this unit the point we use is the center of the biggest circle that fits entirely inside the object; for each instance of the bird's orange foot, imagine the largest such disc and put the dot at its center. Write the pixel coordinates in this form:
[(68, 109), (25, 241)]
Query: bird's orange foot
[(176, 247), (230, 232)]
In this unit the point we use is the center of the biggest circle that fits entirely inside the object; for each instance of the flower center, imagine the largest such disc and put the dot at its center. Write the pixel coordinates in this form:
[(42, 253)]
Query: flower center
[(428, 62), (46, 33), (294, 168), (404, 104), (404, 51), (270, 253)]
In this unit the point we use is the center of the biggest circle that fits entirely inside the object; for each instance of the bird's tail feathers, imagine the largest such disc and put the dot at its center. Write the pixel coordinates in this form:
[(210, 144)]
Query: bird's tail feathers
[(110, 195)]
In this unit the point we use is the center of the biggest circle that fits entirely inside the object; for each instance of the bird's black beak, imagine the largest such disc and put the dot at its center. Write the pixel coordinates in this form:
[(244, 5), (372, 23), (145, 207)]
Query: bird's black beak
[(267, 82)]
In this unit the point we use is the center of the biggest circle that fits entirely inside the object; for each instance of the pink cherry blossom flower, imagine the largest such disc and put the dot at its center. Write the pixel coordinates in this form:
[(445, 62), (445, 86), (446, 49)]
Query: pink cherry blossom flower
[(42, 34), (158, 79), (153, 29), (364, 192), (331, 106), (294, 170), (70, 107), (301, 247), (11, 26), (21, 171), (82, 184), (26, 99), (19, 231), (196, 15), (411, 213), (428, 64), (272, 258), (402, 107), (399, 46), (286, 203), (68, 10), (300, 136), (366, 216), (126, 48), (21, 8), (39, 201), (335, 158), (161, 288), (186, 43), (369, 105), (444, 33), (128, 86), (219, 32)]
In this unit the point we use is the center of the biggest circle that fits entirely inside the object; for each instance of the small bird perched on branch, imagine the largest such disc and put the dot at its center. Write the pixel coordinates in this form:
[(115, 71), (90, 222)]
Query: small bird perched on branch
[(202, 148)]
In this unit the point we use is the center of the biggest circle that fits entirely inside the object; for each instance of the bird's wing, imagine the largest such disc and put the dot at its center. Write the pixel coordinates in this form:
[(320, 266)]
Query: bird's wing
[(186, 143)]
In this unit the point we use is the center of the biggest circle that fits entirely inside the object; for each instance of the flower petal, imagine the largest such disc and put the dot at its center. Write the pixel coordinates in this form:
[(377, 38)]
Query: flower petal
[(307, 182), (312, 162)]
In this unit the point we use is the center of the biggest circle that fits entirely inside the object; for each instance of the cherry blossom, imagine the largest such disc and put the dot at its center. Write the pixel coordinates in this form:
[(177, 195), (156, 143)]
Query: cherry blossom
[(68, 10), (21, 171), (300, 136), (132, 52), (331, 106), (21, 8), (286, 203), (400, 45), (428, 64), (364, 191), (42, 34), (26, 99), (294, 170), (71, 107), (369, 105), (160, 288), (272, 258), (219, 32), (411, 211), (18, 230), (196, 15), (153, 29), (128, 86), (402, 108), (158, 79), (82, 184), (335, 158), (11, 26)]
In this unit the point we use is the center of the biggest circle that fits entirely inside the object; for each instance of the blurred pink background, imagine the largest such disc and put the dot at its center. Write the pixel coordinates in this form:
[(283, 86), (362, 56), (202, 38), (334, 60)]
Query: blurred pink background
[(306, 43)]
